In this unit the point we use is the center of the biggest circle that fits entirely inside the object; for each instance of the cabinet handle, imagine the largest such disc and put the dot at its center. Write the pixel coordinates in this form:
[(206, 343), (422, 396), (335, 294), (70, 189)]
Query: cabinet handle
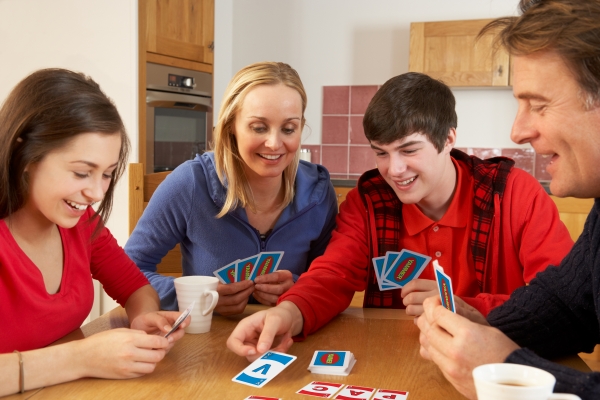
[(211, 46), (500, 70)]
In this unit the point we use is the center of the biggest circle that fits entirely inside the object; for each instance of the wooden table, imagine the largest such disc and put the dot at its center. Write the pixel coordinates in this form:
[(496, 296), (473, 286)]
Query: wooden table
[(384, 342)]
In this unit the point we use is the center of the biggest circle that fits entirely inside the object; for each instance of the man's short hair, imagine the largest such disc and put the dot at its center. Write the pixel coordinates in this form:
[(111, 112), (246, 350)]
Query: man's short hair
[(411, 103), (571, 28)]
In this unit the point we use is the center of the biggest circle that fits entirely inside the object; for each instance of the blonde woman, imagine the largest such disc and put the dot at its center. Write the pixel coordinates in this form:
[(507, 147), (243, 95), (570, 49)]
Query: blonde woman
[(252, 194)]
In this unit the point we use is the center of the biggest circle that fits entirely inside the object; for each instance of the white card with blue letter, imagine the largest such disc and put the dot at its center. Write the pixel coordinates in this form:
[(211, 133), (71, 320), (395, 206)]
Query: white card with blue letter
[(263, 369)]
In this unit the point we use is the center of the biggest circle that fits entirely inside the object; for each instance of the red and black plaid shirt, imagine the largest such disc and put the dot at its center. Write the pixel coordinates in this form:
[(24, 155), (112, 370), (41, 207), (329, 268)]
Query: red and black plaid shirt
[(490, 177)]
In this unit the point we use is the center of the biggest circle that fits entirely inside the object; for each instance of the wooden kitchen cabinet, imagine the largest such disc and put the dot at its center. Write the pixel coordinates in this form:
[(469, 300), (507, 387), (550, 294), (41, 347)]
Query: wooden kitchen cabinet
[(180, 33), (448, 51), (341, 193)]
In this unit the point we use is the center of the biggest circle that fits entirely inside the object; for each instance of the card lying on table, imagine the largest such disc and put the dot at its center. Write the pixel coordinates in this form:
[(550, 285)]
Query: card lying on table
[(444, 286), (263, 369), (329, 362), (325, 390)]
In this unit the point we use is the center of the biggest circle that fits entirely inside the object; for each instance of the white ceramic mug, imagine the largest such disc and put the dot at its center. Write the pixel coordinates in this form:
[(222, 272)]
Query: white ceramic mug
[(516, 382), (202, 290)]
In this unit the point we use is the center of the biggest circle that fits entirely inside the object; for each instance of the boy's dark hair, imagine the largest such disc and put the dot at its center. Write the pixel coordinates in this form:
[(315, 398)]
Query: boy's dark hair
[(411, 103)]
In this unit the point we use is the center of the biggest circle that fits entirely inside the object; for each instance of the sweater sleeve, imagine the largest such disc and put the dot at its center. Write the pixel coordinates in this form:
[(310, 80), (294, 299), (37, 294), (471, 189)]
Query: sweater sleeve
[(326, 289), (162, 225), (556, 316), (112, 268), (531, 228)]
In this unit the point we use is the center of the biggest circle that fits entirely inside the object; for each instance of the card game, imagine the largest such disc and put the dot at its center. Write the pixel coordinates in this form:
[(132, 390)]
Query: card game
[(444, 286), (332, 362), (264, 369)]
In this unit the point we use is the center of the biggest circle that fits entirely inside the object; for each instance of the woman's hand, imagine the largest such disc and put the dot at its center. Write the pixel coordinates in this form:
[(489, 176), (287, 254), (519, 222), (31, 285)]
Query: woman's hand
[(233, 297), (121, 353), (268, 288), (161, 322)]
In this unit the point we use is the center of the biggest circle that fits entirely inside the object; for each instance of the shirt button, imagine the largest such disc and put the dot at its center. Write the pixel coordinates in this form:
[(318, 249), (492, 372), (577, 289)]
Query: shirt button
[(436, 228), (438, 254)]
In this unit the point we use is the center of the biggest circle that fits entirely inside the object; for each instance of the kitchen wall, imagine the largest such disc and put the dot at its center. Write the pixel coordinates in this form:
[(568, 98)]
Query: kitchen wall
[(95, 37), (354, 42)]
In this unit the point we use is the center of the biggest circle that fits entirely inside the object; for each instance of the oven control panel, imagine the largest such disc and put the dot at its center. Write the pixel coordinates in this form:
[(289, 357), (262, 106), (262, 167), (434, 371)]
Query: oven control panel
[(181, 81)]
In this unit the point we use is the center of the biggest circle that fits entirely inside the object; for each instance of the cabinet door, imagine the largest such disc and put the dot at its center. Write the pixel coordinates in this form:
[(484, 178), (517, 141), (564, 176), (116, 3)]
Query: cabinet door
[(181, 28), (448, 51)]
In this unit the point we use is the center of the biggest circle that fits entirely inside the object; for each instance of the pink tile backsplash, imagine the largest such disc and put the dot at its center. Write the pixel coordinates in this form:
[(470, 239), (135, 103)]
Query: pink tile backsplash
[(335, 158), (362, 158), (335, 130), (345, 149), (524, 158), (336, 99), (540, 168), (360, 97), (357, 132)]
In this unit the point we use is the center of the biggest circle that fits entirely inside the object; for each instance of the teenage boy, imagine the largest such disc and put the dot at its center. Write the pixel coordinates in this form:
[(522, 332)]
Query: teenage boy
[(556, 80), (491, 226)]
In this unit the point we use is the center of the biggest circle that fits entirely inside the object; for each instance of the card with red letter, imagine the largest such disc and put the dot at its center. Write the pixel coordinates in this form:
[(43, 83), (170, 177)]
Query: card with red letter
[(325, 390), (351, 392), (385, 394)]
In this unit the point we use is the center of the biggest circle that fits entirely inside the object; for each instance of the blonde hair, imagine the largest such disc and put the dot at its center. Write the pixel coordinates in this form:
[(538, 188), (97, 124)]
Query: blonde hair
[(229, 164)]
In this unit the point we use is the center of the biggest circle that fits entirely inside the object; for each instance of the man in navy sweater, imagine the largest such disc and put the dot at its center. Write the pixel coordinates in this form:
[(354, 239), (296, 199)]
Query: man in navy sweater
[(556, 81)]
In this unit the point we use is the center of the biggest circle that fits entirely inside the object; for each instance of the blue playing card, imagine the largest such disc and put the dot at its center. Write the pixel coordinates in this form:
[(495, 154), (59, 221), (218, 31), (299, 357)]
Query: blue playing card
[(266, 263), (323, 358), (227, 273), (244, 268), (263, 369), (379, 264), (444, 287)]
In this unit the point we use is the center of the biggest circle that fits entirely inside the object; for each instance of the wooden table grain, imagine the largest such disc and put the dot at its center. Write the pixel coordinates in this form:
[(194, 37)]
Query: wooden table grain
[(384, 342)]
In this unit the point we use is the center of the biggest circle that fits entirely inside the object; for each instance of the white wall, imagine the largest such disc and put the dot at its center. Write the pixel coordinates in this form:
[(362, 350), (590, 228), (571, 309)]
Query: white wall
[(355, 42), (98, 38)]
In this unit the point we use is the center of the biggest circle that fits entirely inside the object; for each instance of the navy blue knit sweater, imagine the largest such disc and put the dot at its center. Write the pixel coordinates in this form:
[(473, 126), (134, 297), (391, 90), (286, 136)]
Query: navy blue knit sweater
[(558, 314)]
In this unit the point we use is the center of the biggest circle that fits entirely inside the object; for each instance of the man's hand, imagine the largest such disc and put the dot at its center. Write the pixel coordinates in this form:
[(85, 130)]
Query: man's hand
[(458, 345)]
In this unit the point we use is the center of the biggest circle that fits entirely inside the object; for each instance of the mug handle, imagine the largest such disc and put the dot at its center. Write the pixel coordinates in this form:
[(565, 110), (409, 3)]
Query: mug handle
[(213, 303), (563, 396)]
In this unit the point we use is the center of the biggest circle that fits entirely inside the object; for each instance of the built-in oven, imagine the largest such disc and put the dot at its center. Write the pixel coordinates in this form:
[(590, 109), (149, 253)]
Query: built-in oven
[(179, 115)]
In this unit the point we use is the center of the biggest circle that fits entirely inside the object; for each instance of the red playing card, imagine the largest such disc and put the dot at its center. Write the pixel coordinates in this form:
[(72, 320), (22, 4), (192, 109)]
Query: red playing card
[(385, 394), (351, 392), (325, 390)]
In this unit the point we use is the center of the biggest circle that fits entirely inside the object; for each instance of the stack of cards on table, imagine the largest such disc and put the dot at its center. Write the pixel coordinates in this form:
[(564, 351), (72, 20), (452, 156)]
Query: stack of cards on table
[(396, 269), (339, 391), (263, 369), (331, 362), (444, 286), (249, 268)]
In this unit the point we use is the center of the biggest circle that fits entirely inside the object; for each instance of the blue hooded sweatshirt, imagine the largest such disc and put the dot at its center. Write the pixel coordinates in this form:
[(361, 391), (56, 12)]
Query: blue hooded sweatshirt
[(183, 210)]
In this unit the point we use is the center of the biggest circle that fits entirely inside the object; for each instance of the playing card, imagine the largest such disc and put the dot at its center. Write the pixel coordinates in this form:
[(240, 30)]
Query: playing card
[(244, 268), (329, 359), (263, 369), (266, 264), (262, 398), (351, 392), (444, 286), (385, 394), (390, 257), (227, 273), (406, 267), (325, 390), (181, 318), (379, 264)]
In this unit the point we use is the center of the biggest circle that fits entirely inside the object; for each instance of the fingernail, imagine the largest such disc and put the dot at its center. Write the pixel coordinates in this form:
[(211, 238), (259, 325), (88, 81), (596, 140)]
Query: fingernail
[(262, 347), (251, 352), (166, 328)]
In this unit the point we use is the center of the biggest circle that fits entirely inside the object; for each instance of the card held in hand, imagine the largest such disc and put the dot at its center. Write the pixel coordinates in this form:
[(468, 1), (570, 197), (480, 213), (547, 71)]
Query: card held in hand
[(263, 369), (444, 286), (227, 273)]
